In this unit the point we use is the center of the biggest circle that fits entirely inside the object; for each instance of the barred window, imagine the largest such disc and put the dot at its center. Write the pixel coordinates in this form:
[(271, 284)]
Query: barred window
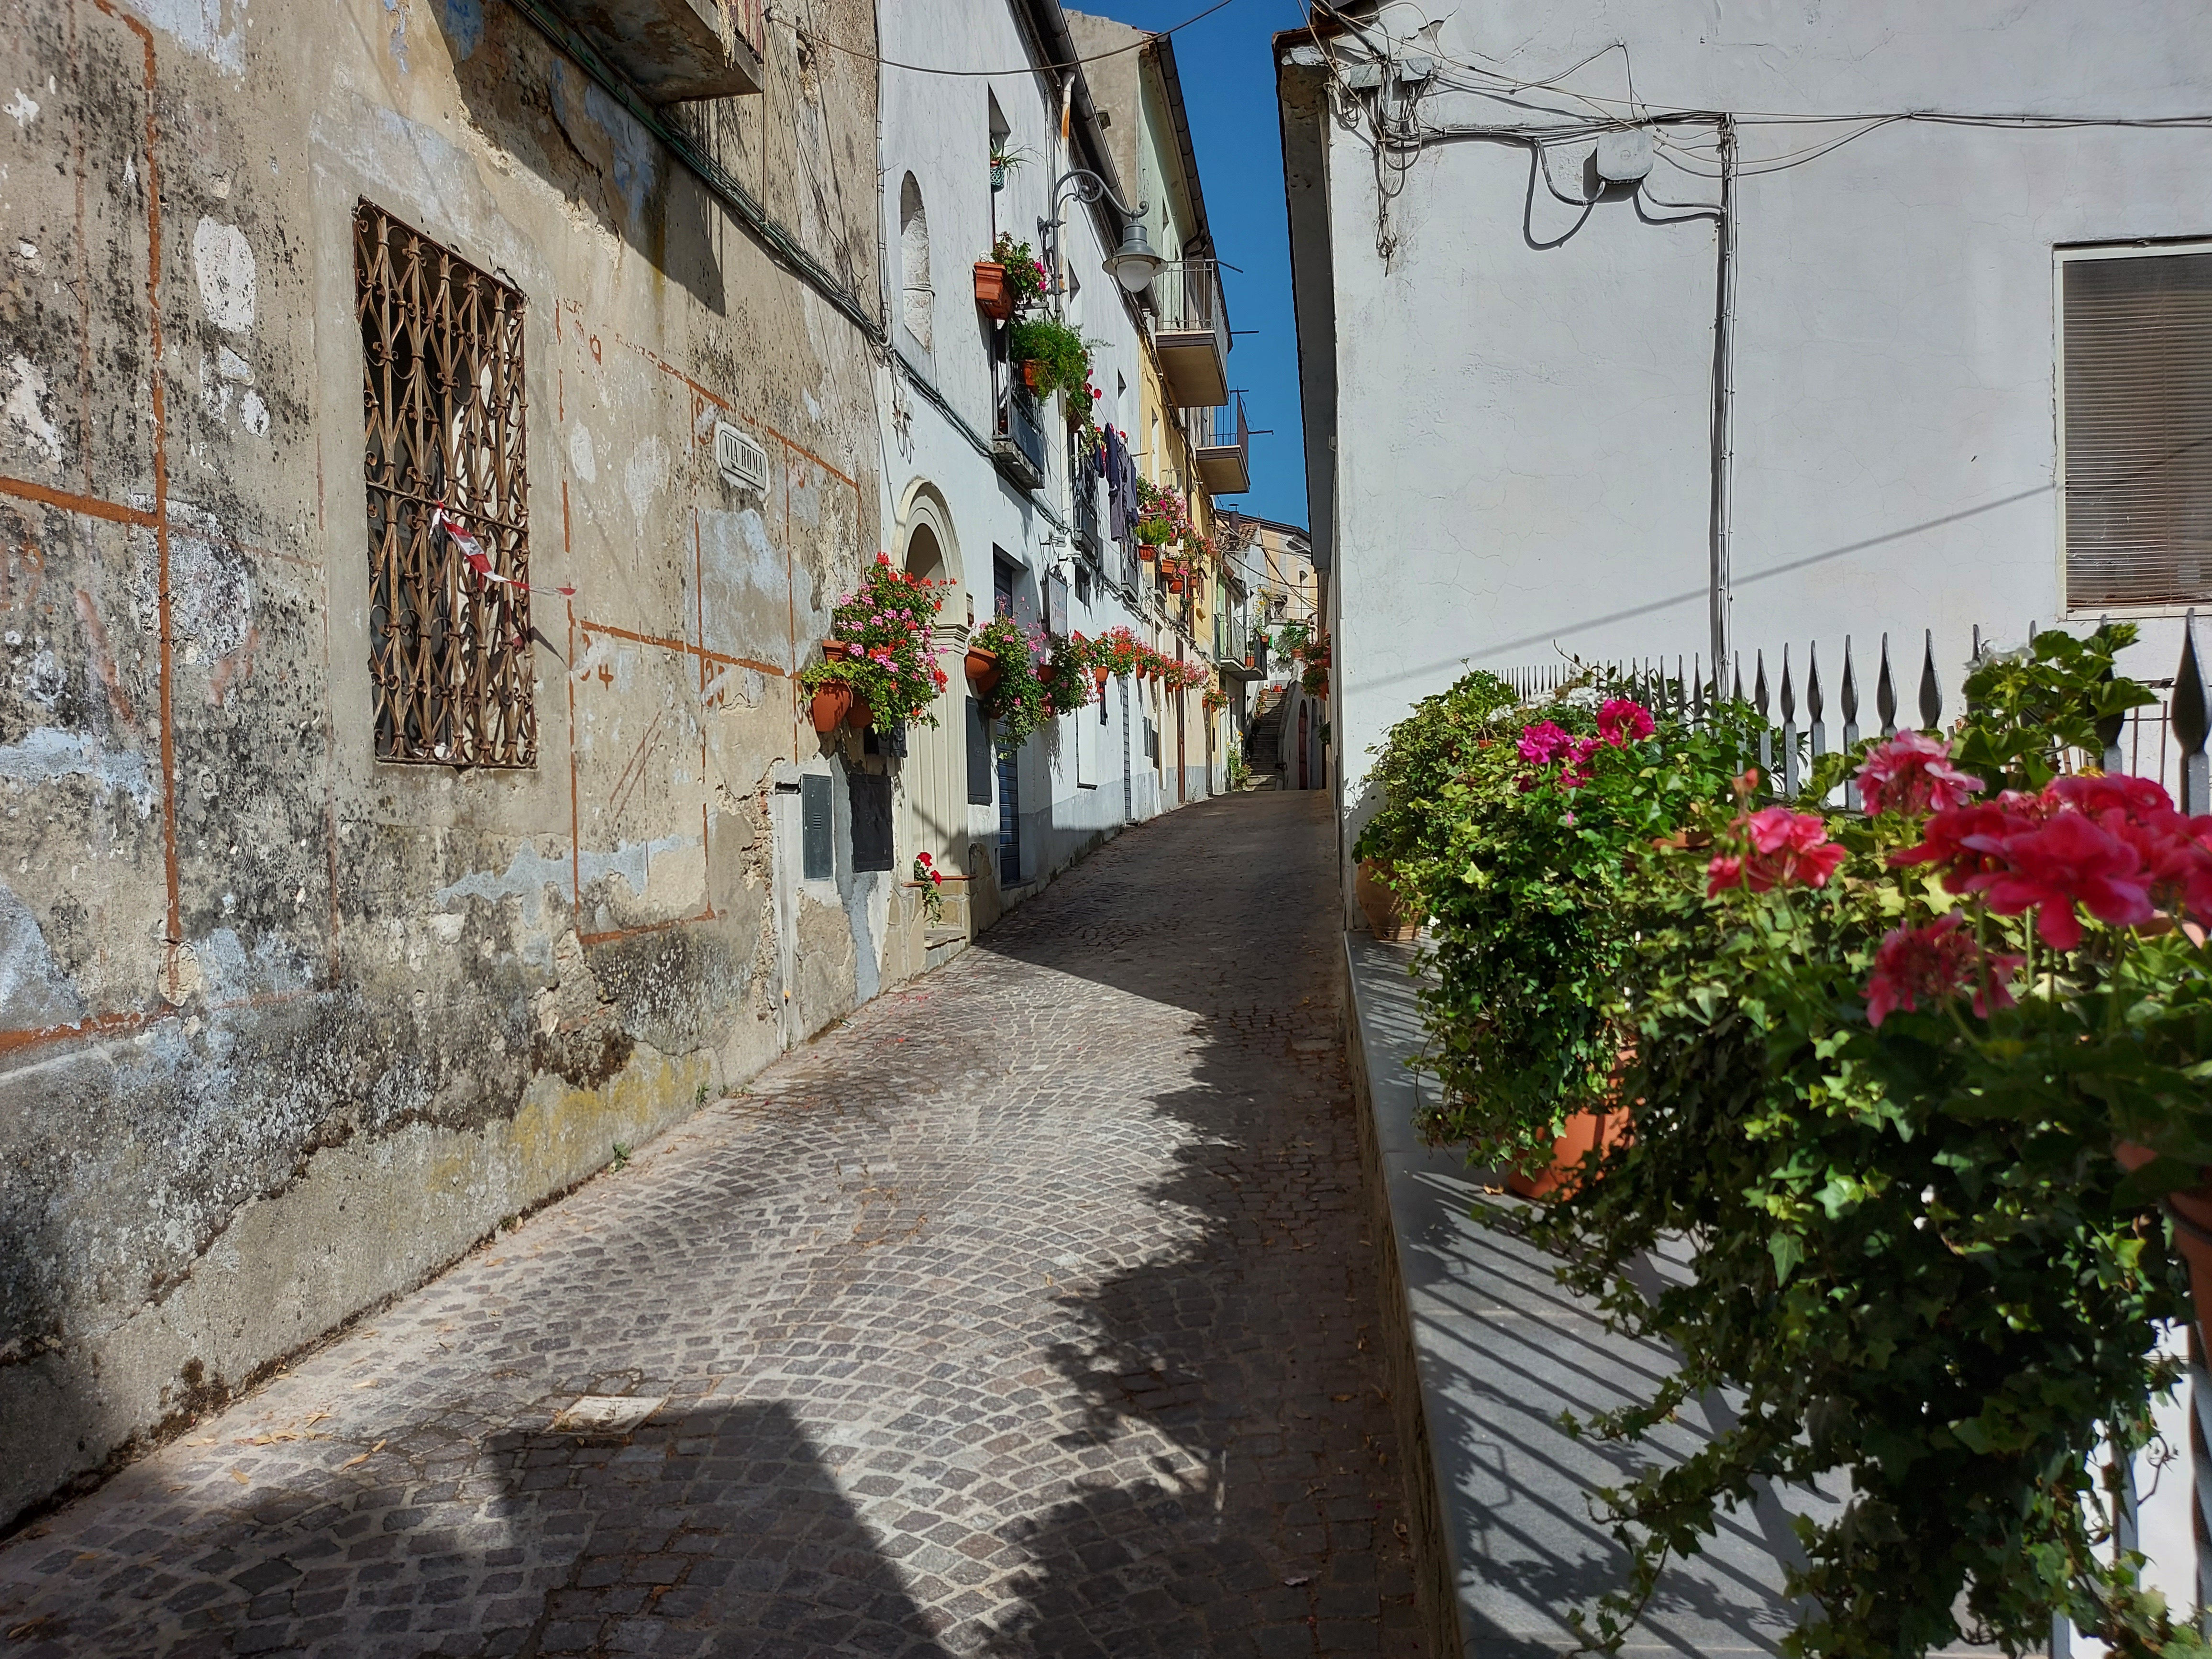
[(2136, 405), (448, 502)]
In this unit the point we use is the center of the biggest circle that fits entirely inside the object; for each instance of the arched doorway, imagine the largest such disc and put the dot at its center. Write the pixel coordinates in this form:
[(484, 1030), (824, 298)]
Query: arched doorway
[(933, 779)]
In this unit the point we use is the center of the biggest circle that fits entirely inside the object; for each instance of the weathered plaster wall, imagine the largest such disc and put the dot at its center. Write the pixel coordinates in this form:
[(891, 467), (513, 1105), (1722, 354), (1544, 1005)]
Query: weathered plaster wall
[(283, 1029), (1524, 391)]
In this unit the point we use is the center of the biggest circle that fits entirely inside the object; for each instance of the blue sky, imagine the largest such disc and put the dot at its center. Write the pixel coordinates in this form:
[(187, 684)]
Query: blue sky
[(1229, 88)]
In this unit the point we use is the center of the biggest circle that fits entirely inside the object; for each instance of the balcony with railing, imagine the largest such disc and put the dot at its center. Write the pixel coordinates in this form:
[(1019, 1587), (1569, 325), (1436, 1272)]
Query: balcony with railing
[(1190, 332), (1085, 487), (1018, 442), (1221, 447)]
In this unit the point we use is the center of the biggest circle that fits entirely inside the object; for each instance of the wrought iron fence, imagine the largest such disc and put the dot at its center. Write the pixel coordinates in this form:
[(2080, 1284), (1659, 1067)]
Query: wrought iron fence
[(2164, 741)]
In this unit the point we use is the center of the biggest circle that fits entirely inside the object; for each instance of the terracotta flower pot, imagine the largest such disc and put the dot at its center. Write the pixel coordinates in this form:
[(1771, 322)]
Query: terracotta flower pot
[(833, 699), (860, 714), (1385, 913), (2191, 1211), (1583, 1132), (1175, 584), (1033, 375), (1099, 676), (982, 668), (992, 292), (1148, 552), (1248, 659)]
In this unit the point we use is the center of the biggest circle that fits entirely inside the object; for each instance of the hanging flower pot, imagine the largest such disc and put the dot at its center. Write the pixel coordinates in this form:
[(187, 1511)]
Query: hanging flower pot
[(1148, 552), (1248, 658), (992, 292), (860, 715), (833, 700), (982, 668), (1175, 584), (1099, 675), (1033, 375)]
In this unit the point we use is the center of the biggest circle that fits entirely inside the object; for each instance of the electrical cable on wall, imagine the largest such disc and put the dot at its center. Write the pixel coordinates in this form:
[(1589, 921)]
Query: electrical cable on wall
[(1396, 134)]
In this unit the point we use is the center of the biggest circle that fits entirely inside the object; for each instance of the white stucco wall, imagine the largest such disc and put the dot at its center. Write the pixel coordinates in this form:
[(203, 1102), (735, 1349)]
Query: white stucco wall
[(1523, 426), (937, 129)]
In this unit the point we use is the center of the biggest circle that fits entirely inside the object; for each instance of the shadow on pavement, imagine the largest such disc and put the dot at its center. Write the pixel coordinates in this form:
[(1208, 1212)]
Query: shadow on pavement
[(712, 1530), (1252, 1347)]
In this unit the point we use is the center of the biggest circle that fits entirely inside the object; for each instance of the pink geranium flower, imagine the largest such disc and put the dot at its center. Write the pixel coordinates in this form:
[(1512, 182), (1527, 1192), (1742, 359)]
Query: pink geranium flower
[(1912, 774), (1620, 721), (1935, 963), (1787, 849), (1543, 742)]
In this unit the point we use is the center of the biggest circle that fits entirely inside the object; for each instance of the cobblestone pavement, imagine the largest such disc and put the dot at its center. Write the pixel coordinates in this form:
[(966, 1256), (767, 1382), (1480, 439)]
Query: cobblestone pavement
[(1029, 1312)]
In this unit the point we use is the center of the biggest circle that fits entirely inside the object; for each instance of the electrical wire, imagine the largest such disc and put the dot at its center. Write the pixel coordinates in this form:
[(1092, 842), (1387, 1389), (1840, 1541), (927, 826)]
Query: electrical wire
[(774, 15)]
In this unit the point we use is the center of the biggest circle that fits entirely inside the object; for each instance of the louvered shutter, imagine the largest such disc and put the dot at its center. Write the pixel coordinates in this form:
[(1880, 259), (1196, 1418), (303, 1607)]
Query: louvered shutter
[(2137, 476)]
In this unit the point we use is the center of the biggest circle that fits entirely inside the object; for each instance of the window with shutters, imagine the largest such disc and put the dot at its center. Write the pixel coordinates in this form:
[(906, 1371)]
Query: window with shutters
[(448, 502), (2136, 412)]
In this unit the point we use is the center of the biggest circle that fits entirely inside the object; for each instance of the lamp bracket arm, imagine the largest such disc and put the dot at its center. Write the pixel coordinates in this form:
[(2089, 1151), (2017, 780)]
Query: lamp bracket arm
[(1089, 187)]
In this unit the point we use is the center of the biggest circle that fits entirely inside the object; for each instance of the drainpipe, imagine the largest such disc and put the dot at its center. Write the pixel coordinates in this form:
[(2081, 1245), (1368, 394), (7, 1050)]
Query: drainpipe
[(1723, 415), (1062, 165)]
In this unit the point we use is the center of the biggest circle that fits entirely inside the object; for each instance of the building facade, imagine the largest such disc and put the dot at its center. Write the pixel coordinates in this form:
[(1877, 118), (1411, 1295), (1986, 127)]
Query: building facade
[(420, 482), (1647, 331), (1192, 437)]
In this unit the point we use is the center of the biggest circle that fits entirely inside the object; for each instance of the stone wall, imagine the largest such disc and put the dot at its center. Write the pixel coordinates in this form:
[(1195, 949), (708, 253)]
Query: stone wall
[(283, 1028)]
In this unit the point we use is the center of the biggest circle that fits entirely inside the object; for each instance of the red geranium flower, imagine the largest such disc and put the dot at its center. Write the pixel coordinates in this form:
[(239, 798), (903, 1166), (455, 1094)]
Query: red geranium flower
[(2050, 867), (1935, 963)]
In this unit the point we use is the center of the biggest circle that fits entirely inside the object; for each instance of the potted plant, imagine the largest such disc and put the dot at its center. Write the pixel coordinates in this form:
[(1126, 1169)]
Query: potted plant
[(1065, 675), (1006, 156), (1015, 703), (1117, 651), (832, 701), (982, 666), (1053, 355), (1162, 519), (992, 293), (1884, 1074), (881, 654)]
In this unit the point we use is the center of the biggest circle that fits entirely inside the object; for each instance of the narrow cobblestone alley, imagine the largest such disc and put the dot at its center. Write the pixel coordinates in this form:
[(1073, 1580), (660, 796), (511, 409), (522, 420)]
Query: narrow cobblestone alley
[(1029, 1312)]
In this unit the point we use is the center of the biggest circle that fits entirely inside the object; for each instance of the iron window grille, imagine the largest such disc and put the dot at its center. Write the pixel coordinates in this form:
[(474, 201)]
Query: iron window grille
[(446, 409)]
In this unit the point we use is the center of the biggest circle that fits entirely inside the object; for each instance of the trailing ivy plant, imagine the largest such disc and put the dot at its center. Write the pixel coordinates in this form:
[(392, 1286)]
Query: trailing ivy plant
[(1512, 829)]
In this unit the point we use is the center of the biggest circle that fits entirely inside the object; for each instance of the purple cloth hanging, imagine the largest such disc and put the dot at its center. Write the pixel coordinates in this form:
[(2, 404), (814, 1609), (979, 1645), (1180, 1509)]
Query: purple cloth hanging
[(1117, 464)]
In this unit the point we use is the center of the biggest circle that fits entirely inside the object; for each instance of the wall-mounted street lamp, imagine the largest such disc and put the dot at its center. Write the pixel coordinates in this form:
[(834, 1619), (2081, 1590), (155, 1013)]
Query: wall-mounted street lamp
[(1133, 264)]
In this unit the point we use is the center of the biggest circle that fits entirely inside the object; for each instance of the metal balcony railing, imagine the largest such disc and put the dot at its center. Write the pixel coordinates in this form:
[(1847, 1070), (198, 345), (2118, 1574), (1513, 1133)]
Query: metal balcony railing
[(1085, 489), (1017, 442), (1190, 331), (1221, 445)]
